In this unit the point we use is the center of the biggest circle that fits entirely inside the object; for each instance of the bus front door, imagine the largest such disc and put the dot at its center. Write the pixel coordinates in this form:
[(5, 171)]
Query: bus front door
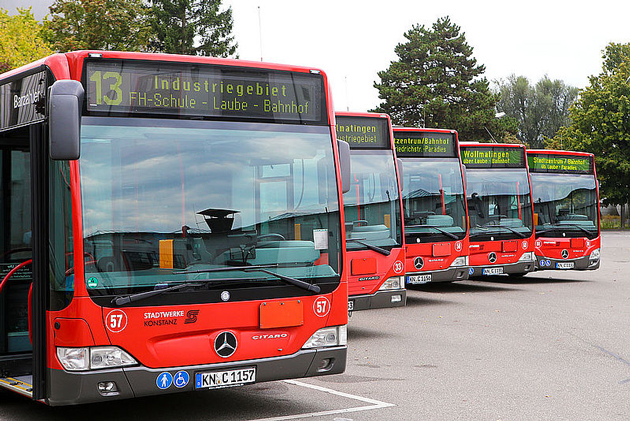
[(16, 255), (17, 248)]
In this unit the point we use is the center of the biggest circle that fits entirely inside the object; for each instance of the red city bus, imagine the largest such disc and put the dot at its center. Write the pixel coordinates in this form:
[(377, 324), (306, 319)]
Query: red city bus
[(434, 205), (499, 209), (173, 223), (566, 209), (372, 208)]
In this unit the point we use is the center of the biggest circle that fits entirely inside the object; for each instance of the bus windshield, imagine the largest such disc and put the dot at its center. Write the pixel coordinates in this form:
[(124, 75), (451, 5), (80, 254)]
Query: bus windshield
[(372, 207), (499, 204), (565, 204), (433, 200), (169, 202)]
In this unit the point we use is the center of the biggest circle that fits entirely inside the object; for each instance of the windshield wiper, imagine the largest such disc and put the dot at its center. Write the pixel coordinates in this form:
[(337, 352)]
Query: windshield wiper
[(126, 299), (448, 234), (257, 268), (370, 246), (520, 234), (559, 226)]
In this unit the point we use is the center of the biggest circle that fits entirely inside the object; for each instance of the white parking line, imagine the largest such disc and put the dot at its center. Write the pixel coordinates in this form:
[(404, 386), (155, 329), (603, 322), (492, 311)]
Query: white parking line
[(373, 404)]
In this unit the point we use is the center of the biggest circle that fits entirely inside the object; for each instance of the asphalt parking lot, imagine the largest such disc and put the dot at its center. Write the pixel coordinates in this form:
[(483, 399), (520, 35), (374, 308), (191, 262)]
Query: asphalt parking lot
[(551, 345)]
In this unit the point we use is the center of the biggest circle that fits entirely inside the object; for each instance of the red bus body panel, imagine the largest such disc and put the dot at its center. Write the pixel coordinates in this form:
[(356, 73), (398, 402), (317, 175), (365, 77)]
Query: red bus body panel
[(502, 254), (549, 250), (436, 257), (182, 336), (370, 269)]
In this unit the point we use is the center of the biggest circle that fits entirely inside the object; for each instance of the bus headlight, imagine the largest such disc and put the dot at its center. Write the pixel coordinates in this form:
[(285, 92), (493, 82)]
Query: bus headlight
[(74, 359), (93, 358), (460, 261), (109, 356), (595, 254), (395, 282), (527, 257), (328, 336)]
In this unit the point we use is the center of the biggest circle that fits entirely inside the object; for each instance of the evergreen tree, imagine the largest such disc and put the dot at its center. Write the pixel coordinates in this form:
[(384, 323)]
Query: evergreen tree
[(437, 83), (194, 27)]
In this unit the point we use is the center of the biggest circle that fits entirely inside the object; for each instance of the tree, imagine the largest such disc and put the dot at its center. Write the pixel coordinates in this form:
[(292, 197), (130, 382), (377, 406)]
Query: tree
[(195, 27), (98, 25), (601, 124), (540, 110), (20, 39), (437, 83)]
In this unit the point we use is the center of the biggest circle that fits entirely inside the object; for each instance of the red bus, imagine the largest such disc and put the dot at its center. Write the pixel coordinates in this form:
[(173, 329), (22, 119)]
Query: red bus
[(177, 222), (499, 209), (372, 208), (434, 205), (566, 209)]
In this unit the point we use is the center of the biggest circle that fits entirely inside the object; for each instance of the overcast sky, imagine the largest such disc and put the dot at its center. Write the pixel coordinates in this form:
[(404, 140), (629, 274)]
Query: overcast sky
[(352, 40)]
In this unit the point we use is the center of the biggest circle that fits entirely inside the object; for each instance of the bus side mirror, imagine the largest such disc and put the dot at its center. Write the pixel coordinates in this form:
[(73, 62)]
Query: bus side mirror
[(344, 165), (64, 119), (399, 164)]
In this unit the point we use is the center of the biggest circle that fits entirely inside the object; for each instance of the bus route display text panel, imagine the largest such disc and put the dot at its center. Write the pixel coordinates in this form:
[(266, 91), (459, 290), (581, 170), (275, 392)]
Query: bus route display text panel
[(425, 144), (556, 163), (364, 132), (199, 90), (493, 157)]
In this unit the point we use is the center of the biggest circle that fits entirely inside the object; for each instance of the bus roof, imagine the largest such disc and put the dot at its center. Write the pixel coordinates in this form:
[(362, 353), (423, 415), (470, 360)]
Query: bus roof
[(422, 129), (491, 145), (559, 152), (70, 65), (73, 56)]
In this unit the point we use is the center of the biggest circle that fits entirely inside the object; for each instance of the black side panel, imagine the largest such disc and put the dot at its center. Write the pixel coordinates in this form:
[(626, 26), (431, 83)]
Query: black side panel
[(39, 189)]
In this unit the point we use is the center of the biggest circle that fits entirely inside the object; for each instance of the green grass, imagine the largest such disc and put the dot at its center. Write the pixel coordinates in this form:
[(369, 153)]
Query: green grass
[(610, 222)]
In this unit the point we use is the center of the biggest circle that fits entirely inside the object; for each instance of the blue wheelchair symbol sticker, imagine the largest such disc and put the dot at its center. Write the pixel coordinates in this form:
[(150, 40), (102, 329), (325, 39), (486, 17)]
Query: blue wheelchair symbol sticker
[(181, 379), (471, 271), (164, 380)]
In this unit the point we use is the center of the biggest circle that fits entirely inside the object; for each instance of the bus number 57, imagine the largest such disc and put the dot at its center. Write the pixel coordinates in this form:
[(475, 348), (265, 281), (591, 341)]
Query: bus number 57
[(321, 306), (116, 321)]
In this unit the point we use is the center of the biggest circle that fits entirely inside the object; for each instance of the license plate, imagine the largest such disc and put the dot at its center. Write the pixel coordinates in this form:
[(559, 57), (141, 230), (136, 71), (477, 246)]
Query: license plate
[(565, 265), (217, 379), (350, 305), (493, 271), (419, 279)]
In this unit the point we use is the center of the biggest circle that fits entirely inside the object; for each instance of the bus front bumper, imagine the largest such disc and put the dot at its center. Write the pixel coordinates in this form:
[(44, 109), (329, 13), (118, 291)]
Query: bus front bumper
[(582, 263), (71, 388), (519, 268), (459, 273), (380, 299)]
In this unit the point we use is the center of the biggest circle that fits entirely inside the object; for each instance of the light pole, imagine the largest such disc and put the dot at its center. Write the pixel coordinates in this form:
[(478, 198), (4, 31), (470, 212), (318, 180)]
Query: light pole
[(497, 116)]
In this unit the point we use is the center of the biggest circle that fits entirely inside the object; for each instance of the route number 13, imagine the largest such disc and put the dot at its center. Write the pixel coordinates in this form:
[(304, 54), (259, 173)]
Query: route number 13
[(114, 95)]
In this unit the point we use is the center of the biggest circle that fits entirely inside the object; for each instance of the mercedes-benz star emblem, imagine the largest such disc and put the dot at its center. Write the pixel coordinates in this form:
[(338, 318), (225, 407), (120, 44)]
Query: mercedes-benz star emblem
[(418, 262), (492, 257), (225, 344), (565, 253)]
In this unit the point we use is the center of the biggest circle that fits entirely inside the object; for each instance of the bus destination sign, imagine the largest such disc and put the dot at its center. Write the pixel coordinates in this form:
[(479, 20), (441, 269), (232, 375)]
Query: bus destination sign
[(556, 163), (364, 132), (198, 90), (23, 101), (425, 144), (493, 157)]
